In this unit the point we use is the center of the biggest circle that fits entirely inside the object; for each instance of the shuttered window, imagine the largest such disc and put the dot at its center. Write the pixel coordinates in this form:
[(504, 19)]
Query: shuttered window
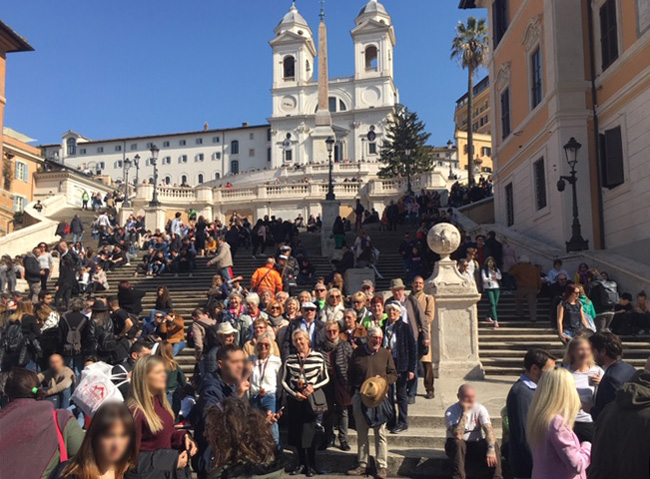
[(608, 33), (611, 157), (505, 113), (499, 19), (510, 205), (539, 176)]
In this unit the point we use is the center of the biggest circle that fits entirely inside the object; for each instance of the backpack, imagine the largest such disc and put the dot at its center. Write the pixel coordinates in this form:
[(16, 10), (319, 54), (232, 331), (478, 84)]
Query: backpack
[(12, 339), (607, 296), (210, 340), (72, 342), (106, 342)]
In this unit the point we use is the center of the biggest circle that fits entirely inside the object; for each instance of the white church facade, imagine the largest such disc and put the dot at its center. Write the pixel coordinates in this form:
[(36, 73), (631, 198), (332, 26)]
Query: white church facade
[(360, 107)]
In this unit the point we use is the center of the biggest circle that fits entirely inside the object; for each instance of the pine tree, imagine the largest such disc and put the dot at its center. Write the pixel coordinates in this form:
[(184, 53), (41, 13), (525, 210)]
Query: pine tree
[(405, 132)]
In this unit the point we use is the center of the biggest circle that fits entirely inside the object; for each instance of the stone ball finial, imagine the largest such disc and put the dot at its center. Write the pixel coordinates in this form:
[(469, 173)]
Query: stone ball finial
[(444, 239)]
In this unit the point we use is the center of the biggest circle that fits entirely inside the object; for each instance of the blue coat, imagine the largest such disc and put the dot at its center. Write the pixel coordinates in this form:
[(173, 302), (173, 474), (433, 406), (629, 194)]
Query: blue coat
[(405, 354)]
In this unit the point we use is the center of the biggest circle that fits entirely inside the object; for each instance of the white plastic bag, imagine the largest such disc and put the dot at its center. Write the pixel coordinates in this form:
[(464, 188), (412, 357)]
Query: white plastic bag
[(95, 388)]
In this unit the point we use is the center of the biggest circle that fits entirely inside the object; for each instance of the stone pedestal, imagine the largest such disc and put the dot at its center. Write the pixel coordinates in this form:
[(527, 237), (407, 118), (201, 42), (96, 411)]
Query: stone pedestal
[(455, 328), (124, 213), (154, 218), (330, 210)]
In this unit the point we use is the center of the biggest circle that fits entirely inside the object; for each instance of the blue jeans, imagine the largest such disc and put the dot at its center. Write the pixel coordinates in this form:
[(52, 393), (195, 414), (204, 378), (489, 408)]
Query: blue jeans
[(225, 274), (76, 363), (61, 400), (178, 347), (77, 237), (265, 403)]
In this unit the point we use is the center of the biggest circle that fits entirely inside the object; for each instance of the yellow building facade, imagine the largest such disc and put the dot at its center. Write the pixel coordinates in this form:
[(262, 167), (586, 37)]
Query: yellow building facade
[(561, 69)]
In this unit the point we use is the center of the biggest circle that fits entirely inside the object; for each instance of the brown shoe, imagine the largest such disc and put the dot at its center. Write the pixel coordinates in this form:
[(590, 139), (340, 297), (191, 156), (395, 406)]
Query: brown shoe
[(358, 471), (430, 395), (382, 473)]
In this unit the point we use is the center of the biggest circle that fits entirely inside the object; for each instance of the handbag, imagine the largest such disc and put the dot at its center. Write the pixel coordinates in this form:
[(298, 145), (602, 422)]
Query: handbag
[(317, 402), (422, 349)]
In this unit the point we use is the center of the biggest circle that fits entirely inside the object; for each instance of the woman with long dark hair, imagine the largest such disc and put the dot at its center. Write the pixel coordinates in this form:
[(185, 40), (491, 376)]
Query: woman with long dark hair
[(242, 443), (570, 314), (109, 449)]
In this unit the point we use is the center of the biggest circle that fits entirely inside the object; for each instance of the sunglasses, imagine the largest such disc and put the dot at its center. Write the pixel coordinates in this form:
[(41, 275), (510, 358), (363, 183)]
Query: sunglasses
[(264, 345), (274, 308), (335, 296), (358, 302), (321, 290), (331, 331)]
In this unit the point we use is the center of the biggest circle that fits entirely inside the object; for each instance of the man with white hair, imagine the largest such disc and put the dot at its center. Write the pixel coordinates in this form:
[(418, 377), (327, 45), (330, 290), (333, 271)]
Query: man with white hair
[(470, 436), (529, 284)]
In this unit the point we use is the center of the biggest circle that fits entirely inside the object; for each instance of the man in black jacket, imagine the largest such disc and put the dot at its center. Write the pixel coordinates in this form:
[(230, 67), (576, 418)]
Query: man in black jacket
[(77, 335), (398, 339), (33, 273), (536, 362), (67, 276), (608, 352)]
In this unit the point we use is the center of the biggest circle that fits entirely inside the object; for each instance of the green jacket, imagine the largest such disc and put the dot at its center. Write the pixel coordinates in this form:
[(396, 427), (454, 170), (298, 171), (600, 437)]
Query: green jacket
[(368, 321)]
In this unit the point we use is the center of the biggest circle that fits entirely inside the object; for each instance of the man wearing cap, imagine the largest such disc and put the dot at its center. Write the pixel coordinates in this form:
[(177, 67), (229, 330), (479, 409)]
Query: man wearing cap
[(413, 314), (428, 307), (529, 284), (368, 288), (307, 323), (375, 363)]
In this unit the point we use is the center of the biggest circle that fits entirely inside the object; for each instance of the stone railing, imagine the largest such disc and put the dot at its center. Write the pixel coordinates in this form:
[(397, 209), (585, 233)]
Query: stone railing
[(69, 183)]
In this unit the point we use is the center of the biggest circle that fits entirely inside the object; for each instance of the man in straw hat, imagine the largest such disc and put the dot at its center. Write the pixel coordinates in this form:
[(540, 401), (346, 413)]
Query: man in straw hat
[(372, 371)]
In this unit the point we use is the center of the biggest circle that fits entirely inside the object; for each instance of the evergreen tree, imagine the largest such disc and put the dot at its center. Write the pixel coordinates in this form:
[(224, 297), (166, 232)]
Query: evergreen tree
[(405, 132)]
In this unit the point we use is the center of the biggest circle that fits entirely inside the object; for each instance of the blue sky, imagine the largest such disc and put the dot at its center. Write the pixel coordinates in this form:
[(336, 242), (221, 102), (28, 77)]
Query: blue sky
[(125, 67)]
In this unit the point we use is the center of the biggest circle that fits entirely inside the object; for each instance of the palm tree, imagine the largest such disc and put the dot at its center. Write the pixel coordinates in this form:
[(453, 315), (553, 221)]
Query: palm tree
[(471, 48)]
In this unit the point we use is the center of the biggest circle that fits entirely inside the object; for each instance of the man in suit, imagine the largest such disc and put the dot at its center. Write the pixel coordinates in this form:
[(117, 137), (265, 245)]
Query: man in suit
[(608, 352)]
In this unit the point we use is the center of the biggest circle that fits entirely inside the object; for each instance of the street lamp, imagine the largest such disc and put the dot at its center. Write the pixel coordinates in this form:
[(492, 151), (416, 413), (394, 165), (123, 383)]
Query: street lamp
[(154, 160), (450, 145), (407, 154), (125, 180), (330, 148), (577, 242), (136, 163)]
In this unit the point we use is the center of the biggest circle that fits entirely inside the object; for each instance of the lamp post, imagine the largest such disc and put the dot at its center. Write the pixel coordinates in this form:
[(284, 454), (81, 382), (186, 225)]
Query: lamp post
[(330, 148), (450, 145), (136, 163), (127, 167), (407, 154), (154, 161), (577, 242)]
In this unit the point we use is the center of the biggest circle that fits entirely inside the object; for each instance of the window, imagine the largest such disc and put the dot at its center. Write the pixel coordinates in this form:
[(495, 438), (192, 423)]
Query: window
[(510, 205), (217, 175), (167, 160), (149, 145), (199, 178), (251, 153), (536, 77), (611, 158), (183, 179), (608, 33), (268, 135), (288, 156), (234, 147), (19, 203), (182, 159), (165, 144), (505, 113), (22, 171), (199, 141), (486, 151), (101, 165), (182, 142), (336, 104), (251, 136), (168, 180), (199, 157), (269, 154), (371, 58), (82, 151), (216, 156), (118, 147), (372, 148), (71, 144), (342, 106), (234, 167), (117, 164), (332, 104), (100, 149), (289, 68), (134, 146), (539, 176), (499, 20), (215, 139)]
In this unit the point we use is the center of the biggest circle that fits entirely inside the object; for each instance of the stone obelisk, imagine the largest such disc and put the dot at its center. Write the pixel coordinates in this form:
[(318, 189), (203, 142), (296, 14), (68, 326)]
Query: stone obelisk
[(322, 131)]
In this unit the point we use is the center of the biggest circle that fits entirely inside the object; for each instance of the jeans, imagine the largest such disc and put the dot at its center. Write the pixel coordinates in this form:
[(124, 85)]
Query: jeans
[(603, 320), (61, 400), (399, 394), (412, 385), (77, 237), (76, 363), (494, 295), (226, 273), (268, 402), (178, 347)]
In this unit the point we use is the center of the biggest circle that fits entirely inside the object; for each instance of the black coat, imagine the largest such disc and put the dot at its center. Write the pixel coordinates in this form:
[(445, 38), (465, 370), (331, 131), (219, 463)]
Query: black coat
[(615, 376), (131, 300), (32, 270), (406, 356), (160, 464), (287, 347)]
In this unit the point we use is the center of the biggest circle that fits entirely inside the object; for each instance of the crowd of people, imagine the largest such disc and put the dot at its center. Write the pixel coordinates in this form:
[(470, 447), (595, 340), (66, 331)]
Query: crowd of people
[(461, 194), (101, 379)]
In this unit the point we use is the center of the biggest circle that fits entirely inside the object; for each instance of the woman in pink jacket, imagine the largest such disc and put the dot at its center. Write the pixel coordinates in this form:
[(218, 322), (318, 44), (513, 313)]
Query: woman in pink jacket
[(557, 452)]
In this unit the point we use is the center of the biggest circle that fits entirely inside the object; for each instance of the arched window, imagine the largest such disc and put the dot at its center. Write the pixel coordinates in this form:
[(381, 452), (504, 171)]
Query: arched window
[(183, 179), (289, 67), (371, 58), (72, 146), (234, 167), (217, 175), (199, 178), (336, 104), (168, 180), (234, 147)]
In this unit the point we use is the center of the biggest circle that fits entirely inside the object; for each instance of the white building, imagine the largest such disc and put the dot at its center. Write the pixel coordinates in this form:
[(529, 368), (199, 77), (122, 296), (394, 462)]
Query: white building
[(360, 106)]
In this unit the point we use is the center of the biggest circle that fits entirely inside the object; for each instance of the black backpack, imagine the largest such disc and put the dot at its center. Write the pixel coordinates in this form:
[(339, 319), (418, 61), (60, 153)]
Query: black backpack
[(12, 339), (72, 341), (606, 296), (106, 342)]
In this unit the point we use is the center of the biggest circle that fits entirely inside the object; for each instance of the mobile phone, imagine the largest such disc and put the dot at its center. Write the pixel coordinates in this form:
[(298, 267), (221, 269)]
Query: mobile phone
[(280, 411)]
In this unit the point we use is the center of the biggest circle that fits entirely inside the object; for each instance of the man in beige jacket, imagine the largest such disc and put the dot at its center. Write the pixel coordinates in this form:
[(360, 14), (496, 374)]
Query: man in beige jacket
[(428, 306)]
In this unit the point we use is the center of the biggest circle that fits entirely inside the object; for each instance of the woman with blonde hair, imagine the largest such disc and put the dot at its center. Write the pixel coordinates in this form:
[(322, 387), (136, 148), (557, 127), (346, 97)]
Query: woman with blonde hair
[(25, 352), (334, 308), (579, 360), (176, 380), (154, 417), (557, 451)]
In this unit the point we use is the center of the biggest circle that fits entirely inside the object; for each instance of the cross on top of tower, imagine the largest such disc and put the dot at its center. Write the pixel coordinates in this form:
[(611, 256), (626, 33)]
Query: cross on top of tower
[(322, 10)]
